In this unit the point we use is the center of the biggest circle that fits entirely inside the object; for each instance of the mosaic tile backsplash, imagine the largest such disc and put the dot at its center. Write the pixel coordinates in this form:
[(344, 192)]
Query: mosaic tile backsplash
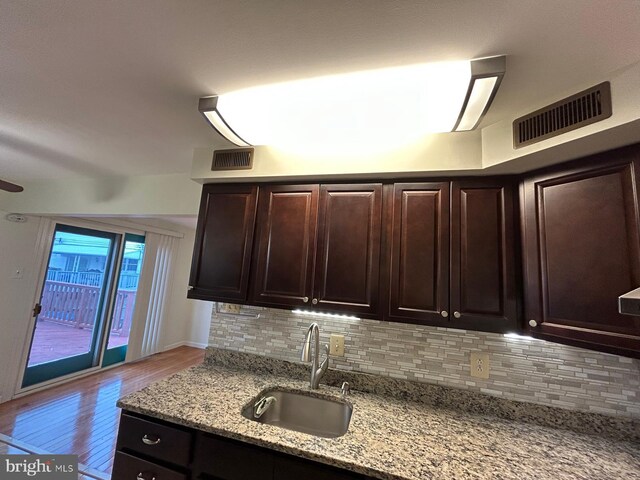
[(522, 369)]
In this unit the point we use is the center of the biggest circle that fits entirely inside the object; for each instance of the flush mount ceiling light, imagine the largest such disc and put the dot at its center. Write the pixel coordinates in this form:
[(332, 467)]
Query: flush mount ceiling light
[(486, 76), (378, 110)]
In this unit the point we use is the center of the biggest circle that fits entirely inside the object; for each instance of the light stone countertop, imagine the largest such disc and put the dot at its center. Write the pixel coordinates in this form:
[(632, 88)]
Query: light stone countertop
[(389, 438)]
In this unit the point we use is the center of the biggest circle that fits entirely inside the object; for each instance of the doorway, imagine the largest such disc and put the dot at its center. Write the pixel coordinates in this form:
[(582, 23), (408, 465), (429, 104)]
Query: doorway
[(84, 313)]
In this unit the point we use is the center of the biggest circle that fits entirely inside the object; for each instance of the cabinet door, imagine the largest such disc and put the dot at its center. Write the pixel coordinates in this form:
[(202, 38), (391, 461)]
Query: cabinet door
[(582, 250), (348, 254), (419, 253), (224, 239), (286, 235), (291, 468), (483, 279), (218, 458)]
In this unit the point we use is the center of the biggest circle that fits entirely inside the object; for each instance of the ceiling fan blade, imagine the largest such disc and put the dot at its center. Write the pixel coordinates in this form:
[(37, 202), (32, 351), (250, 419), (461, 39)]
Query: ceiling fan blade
[(10, 187)]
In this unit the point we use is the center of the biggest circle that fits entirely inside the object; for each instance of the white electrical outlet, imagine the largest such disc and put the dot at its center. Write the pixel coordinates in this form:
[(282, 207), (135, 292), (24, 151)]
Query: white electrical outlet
[(231, 308), (336, 345), (480, 365)]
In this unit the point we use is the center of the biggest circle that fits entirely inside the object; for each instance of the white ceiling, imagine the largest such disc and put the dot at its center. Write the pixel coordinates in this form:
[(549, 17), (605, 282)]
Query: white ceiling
[(97, 88)]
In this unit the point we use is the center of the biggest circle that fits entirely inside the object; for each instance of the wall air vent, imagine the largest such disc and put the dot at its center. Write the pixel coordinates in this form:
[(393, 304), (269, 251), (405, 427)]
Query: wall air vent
[(233, 159), (571, 113)]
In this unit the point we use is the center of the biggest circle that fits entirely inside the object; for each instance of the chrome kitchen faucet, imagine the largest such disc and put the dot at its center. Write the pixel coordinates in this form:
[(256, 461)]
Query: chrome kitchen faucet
[(316, 372)]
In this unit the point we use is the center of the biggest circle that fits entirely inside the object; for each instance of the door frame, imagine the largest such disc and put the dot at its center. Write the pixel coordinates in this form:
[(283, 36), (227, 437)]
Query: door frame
[(78, 363)]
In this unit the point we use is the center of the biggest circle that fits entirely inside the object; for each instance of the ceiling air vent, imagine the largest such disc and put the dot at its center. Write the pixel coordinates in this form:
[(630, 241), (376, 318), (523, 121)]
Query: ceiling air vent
[(233, 159), (576, 111)]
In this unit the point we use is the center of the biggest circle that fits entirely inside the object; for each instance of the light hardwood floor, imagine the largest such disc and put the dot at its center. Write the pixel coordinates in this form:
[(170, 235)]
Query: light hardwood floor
[(81, 417)]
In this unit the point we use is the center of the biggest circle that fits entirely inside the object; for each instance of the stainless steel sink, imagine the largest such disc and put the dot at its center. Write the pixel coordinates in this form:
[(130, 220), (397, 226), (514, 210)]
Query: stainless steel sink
[(323, 417)]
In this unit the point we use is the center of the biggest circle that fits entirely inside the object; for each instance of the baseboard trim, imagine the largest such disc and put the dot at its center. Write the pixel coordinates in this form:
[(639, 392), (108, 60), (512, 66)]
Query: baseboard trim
[(202, 346)]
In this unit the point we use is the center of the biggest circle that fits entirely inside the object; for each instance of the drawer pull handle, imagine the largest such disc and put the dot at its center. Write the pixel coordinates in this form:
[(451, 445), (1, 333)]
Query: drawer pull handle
[(142, 476), (147, 441)]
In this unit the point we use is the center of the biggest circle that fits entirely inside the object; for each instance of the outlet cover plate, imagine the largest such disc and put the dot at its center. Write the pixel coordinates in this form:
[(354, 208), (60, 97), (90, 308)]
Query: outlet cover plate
[(336, 345), (480, 365)]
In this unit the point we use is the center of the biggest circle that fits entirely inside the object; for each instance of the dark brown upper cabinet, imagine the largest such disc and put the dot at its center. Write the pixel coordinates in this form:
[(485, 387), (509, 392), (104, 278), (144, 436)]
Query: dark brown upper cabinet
[(318, 247), (418, 260), (451, 256), (285, 245), (582, 250), (348, 252), (483, 292), (224, 239)]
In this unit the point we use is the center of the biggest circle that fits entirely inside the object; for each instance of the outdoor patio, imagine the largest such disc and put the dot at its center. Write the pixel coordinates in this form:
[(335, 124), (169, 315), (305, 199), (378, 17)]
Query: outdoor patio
[(53, 341)]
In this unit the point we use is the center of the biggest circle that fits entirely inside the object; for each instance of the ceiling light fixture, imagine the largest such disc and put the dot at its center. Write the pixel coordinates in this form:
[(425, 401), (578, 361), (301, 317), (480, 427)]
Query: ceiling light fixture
[(486, 76), (370, 111), (207, 106)]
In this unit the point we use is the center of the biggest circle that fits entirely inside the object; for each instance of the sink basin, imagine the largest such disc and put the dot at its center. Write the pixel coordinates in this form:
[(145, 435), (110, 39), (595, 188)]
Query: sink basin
[(322, 417)]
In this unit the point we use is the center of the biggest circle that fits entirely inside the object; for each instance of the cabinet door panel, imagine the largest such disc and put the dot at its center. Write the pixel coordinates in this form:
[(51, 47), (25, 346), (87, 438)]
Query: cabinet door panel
[(287, 220), (291, 468), (582, 250), (483, 290), (224, 239), (348, 255), (419, 252), (222, 459)]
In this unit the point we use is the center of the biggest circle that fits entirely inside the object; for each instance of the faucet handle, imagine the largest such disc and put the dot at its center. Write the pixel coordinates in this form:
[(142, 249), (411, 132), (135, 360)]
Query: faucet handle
[(345, 389)]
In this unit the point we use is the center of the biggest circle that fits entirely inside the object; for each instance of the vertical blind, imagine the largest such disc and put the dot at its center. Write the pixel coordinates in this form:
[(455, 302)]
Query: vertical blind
[(155, 283)]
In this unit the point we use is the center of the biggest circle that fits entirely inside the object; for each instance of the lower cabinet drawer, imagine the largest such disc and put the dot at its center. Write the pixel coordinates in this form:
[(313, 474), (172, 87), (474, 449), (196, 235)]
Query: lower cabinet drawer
[(128, 467), (155, 440)]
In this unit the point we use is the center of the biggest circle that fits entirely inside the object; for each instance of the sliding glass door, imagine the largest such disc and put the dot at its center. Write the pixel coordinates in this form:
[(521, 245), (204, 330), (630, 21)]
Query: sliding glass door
[(69, 316), (124, 299)]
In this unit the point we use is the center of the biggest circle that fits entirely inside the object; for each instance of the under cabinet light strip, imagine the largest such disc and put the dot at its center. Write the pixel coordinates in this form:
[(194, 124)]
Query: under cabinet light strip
[(517, 336), (321, 314)]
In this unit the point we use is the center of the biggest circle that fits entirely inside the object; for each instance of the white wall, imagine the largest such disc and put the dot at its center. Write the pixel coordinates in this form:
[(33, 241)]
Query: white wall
[(140, 195), (17, 251), (189, 320)]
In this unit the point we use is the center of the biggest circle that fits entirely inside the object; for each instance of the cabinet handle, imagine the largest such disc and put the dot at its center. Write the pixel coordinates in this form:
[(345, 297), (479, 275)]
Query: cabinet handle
[(457, 314), (305, 299), (142, 476), (533, 323), (147, 441), (314, 301), (444, 313)]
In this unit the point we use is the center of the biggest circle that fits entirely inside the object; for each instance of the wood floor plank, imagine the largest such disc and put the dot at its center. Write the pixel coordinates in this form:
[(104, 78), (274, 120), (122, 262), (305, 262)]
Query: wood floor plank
[(81, 417)]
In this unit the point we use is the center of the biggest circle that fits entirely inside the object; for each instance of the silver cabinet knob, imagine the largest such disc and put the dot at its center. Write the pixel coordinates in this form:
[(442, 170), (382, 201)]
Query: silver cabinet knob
[(457, 314), (314, 301), (144, 476), (533, 323), (305, 299), (444, 313), (149, 441)]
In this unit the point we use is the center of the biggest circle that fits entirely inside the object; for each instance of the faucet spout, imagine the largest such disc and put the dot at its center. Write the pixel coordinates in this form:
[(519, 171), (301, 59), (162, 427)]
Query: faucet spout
[(317, 372)]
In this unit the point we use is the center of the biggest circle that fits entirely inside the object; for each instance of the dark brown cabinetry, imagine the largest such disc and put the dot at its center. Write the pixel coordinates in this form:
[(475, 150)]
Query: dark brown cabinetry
[(582, 250), (153, 449), (224, 239), (419, 252), (483, 284), (452, 255), (285, 245), (462, 253), (318, 246)]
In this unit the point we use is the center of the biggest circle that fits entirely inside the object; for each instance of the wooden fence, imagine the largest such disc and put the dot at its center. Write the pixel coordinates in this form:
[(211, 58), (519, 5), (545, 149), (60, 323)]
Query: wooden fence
[(76, 305)]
